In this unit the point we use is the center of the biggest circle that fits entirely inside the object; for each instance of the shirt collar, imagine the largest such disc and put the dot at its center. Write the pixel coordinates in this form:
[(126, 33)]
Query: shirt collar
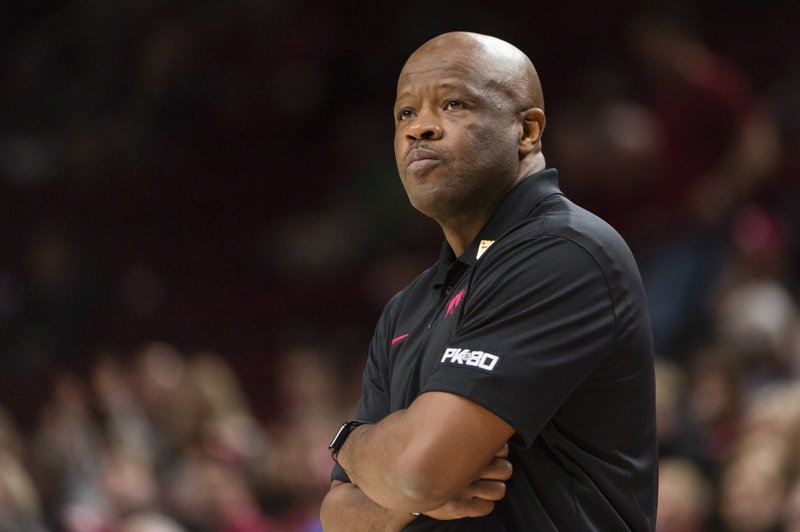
[(515, 206)]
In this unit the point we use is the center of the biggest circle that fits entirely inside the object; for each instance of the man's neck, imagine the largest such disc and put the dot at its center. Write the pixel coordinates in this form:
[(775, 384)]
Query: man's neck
[(461, 230), (459, 240)]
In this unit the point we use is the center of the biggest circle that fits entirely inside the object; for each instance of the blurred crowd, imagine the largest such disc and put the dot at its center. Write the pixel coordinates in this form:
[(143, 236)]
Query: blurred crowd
[(202, 222), (164, 441)]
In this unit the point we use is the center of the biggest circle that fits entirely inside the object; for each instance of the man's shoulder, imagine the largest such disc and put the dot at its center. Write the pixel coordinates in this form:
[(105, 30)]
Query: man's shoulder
[(559, 218), (562, 217), (560, 236)]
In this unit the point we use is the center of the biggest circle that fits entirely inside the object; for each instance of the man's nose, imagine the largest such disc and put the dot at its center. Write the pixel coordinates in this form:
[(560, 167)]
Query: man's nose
[(425, 127)]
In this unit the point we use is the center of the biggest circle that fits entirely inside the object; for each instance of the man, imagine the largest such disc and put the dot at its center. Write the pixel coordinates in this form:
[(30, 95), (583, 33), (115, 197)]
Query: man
[(510, 386)]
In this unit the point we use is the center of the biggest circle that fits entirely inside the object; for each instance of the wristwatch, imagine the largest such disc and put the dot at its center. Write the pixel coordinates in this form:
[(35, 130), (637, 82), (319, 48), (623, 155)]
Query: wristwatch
[(344, 431)]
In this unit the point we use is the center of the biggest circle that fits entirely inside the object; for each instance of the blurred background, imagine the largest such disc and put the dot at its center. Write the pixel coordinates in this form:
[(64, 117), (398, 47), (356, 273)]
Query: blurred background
[(201, 222)]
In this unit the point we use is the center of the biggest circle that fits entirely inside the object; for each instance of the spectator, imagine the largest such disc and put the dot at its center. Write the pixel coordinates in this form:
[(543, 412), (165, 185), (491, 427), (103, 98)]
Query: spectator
[(684, 497), (753, 486)]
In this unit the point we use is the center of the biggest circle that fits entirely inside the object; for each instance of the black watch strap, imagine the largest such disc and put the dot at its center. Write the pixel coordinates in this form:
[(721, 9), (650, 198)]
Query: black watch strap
[(341, 436)]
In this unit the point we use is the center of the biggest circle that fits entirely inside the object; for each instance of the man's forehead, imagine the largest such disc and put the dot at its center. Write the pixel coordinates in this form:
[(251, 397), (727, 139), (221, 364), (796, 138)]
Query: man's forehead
[(447, 83), (462, 55), (444, 70), (449, 73), (439, 61)]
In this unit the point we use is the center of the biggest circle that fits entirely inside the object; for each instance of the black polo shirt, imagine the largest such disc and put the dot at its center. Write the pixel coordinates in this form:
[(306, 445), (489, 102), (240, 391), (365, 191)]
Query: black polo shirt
[(542, 321)]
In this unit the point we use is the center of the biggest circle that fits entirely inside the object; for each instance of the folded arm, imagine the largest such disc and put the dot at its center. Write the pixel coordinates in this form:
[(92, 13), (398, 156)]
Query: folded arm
[(426, 456), (347, 508)]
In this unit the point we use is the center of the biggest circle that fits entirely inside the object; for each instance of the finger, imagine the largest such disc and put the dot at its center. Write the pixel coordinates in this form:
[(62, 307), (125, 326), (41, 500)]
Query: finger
[(474, 507), (502, 452), (498, 469), (490, 490)]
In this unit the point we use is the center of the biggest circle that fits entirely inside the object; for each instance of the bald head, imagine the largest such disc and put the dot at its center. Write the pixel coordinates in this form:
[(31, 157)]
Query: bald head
[(495, 63), (468, 127)]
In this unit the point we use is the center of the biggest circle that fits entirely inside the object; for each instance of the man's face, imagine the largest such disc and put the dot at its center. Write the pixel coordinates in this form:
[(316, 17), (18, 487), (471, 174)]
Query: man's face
[(456, 136)]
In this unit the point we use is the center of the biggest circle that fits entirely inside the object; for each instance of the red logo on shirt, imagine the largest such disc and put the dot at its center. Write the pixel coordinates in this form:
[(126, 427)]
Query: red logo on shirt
[(452, 305), (399, 338)]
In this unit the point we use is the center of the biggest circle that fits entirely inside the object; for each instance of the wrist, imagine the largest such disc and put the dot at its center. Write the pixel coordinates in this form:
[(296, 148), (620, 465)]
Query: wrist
[(343, 436), (348, 452)]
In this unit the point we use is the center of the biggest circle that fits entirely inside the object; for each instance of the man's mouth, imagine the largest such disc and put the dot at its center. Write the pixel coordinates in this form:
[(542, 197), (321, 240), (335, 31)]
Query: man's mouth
[(420, 159)]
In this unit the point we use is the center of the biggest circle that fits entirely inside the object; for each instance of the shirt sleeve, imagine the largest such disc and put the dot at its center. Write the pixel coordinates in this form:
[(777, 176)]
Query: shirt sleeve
[(538, 313)]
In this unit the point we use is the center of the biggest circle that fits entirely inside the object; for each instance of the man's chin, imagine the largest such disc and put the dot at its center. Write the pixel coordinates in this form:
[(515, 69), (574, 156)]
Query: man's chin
[(433, 201)]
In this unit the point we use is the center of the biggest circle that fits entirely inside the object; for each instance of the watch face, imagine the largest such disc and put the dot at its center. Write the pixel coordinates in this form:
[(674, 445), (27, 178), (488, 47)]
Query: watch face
[(344, 431), (339, 436)]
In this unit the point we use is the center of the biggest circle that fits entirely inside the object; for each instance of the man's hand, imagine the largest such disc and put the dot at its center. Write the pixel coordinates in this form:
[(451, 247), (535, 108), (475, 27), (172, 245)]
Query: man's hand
[(479, 497), (346, 509)]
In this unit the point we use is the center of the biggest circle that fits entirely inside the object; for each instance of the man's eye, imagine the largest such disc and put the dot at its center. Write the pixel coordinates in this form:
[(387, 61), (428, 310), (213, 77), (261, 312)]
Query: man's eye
[(452, 105), (405, 114)]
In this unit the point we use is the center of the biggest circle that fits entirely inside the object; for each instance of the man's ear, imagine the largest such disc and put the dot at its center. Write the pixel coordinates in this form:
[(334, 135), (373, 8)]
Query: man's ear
[(533, 122)]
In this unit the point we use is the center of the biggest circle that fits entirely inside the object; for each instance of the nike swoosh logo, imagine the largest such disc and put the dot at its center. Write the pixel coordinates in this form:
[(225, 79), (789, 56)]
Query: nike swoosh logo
[(399, 338)]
